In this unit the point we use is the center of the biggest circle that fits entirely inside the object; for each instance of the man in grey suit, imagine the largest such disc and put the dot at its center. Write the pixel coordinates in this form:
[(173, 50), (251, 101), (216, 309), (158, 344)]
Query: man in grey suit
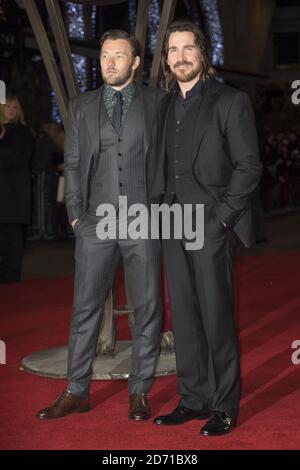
[(107, 155)]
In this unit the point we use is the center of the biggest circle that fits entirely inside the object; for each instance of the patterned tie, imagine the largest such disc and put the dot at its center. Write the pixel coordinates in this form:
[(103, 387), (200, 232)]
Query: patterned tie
[(117, 112)]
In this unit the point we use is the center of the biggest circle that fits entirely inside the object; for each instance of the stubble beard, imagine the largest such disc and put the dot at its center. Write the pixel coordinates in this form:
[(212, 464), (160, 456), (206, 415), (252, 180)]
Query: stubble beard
[(118, 80)]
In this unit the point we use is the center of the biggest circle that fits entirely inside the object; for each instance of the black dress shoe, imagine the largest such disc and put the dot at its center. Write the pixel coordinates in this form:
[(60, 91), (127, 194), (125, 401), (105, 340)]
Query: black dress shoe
[(219, 423), (181, 415)]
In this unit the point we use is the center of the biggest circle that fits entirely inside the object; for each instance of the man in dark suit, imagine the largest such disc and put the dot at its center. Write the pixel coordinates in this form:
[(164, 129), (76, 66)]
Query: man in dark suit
[(209, 156), (107, 149)]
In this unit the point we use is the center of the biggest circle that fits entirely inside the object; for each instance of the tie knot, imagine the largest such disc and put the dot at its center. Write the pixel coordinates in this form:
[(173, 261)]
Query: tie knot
[(118, 95)]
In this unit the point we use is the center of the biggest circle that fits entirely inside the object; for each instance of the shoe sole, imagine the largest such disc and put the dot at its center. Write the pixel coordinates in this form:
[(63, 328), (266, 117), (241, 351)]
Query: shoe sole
[(47, 418), (207, 434), (198, 418), (138, 419)]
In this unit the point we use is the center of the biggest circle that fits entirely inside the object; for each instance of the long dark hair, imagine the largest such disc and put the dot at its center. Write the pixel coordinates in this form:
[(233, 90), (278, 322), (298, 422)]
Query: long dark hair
[(201, 42)]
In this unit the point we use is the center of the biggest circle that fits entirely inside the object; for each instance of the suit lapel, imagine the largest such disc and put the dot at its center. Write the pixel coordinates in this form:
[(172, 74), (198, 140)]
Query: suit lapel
[(92, 119), (165, 111), (209, 97)]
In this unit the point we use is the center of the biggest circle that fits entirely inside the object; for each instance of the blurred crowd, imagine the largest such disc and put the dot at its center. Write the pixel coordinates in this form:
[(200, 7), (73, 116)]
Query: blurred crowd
[(47, 175), (281, 179), (31, 176)]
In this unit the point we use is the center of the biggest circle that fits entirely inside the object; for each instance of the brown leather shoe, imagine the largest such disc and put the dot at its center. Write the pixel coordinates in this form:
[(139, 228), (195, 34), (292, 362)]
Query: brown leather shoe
[(65, 405), (139, 407)]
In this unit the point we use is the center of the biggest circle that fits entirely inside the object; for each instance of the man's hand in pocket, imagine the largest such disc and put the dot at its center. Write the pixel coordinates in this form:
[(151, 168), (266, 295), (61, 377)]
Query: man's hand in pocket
[(74, 223)]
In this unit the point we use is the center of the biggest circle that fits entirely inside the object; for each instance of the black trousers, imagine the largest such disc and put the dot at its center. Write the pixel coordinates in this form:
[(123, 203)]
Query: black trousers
[(200, 287), (11, 251)]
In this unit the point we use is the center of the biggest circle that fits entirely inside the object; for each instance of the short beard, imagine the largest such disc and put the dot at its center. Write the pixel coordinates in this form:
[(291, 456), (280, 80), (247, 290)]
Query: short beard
[(187, 77), (120, 79)]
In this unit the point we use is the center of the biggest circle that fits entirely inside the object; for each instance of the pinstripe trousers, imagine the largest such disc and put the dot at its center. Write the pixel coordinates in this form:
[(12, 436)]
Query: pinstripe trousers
[(96, 262)]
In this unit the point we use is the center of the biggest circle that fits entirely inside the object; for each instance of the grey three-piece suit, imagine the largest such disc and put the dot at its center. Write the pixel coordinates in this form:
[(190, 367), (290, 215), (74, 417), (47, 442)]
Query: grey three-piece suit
[(102, 164)]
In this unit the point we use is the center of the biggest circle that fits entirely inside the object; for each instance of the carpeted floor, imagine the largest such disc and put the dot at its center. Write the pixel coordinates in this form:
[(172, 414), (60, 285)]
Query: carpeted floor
[(35, 315)]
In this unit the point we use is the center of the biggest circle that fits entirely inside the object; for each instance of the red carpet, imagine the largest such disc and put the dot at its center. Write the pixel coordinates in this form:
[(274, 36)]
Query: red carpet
[(35, 315)]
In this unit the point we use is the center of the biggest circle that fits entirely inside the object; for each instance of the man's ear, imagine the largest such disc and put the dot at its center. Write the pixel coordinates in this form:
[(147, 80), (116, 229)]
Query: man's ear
[(136, 62)]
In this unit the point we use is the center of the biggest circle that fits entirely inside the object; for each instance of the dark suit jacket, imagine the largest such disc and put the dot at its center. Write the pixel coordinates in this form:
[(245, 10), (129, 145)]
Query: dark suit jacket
[(82, 144), (15, 179), (226, 163)]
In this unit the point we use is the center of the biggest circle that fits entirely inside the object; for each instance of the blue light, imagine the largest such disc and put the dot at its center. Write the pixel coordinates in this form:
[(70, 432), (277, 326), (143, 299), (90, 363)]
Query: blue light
[(76, 29), (132, 15), (211, 11), (153, 23)]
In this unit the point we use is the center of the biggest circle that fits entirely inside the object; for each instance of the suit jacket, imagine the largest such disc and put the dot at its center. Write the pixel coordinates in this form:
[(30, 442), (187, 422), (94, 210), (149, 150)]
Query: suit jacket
[(225, 158), (82, 144)]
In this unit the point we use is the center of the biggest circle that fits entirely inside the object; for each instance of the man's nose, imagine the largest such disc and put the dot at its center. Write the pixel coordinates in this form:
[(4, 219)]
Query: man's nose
[(111, 61), (181, 55)]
